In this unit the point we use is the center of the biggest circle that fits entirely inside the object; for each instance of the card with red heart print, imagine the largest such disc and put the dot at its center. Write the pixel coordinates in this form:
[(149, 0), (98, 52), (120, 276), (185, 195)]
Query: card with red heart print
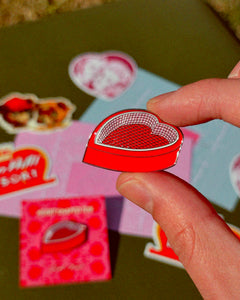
[(64, 241)]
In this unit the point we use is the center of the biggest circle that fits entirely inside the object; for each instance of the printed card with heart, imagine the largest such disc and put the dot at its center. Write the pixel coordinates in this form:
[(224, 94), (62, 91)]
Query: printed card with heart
[(134, 141), (64, 241)]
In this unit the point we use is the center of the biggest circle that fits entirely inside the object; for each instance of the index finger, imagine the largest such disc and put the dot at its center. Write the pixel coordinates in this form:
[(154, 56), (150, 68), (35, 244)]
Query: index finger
[(200, 102)]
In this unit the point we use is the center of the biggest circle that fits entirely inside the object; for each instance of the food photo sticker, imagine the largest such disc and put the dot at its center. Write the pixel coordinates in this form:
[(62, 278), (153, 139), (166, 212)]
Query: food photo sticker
[(27, 112), (22, 169), (134, 141), (104, 75), (64, 241)]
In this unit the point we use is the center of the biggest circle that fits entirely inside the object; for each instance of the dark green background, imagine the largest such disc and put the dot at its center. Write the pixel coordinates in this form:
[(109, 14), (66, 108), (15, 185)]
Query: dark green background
[(183, 41)]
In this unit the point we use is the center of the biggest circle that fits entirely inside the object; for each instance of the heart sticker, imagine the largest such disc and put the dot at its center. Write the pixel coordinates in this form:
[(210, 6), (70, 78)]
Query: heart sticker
[(235, 174), (134, 141), (106, 75), (22, 169)]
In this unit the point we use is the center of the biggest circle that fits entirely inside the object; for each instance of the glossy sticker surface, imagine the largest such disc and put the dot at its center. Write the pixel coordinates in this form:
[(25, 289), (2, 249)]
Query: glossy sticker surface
[(105, 75)]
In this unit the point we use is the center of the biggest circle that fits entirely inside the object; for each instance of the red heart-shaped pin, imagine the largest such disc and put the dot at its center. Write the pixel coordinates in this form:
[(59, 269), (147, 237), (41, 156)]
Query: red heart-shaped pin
[(106, 75), (64, 235), (134, 141)]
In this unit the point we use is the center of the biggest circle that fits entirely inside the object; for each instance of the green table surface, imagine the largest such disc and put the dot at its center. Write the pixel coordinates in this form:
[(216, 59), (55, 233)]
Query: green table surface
[(183, 41)]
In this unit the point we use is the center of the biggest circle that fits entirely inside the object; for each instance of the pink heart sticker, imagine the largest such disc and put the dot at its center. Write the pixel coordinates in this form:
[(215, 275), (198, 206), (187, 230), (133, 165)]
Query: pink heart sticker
[(104, 75), (235, 174)]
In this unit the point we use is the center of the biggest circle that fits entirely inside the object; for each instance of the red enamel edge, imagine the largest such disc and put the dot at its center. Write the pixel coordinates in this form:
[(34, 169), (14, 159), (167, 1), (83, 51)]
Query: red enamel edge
[(65, 243)]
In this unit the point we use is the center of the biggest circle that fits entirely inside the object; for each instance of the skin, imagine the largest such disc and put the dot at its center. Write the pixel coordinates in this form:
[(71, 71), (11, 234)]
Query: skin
[(205, 245)]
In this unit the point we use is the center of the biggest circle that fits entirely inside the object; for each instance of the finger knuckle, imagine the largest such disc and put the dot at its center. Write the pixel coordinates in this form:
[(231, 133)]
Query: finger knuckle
[(184, 243)]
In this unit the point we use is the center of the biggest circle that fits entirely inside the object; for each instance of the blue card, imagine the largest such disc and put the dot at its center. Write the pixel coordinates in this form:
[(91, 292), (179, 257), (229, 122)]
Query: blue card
[(219, 143)]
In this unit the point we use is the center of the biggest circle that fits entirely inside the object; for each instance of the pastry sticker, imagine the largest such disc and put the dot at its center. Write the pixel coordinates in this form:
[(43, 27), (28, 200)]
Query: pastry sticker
[(22, 169), (64, 241), (105, 75), (27, 112)]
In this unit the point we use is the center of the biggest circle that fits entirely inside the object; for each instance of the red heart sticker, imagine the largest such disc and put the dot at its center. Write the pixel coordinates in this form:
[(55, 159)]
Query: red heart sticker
[(23, 169), (161, 250), (134, 141), (106, 75)]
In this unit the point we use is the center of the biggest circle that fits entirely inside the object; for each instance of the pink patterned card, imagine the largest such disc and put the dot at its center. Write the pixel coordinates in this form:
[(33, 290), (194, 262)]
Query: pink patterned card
[(64, 241)]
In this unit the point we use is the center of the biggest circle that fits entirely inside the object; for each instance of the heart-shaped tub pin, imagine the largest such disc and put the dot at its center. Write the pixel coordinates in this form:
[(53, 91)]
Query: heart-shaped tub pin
[(105, 75), (134, 141), (64, 235)]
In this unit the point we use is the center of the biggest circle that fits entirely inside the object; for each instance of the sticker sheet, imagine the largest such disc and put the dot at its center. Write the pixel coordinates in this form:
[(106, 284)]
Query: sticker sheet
[(64, 241)]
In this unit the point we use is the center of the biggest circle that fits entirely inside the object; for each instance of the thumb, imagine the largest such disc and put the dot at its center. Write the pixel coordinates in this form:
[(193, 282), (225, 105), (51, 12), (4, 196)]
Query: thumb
[(205, 245)]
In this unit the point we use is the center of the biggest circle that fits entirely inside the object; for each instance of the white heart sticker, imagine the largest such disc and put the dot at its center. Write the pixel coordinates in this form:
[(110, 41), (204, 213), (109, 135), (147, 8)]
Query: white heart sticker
[(104, 75), (235, 174)]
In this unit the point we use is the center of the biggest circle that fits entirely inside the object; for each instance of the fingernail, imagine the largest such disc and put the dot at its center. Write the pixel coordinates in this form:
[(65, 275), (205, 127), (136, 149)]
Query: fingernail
[(137, 192), (159, 99), (235, 73)]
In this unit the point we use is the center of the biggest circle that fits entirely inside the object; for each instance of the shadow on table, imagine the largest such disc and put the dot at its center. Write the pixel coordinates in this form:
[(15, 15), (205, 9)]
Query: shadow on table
[(114, 207)]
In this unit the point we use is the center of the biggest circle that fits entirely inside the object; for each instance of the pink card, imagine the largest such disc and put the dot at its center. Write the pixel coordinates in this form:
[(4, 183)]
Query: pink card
[(64, 241), (65, 150), (74, 178)]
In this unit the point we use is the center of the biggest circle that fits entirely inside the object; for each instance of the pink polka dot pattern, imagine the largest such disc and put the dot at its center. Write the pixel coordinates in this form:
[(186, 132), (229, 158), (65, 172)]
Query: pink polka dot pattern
[(87, 261)]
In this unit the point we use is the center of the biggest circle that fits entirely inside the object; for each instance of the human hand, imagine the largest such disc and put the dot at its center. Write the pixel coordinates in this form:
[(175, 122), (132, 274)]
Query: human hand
[(205, 245)]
